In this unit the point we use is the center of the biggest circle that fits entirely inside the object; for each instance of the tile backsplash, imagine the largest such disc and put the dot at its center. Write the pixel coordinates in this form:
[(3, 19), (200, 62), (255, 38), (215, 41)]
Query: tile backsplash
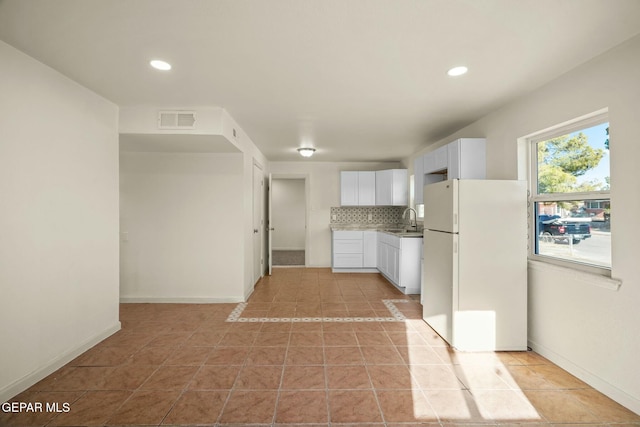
[(360, 215)]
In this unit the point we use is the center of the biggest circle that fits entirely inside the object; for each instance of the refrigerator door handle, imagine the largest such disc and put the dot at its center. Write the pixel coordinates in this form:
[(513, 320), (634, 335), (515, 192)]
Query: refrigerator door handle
[(455, 219)]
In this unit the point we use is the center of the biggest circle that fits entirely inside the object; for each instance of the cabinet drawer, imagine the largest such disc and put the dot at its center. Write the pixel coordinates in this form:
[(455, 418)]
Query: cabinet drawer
[(347, 260), (342, 234), (347, 246)]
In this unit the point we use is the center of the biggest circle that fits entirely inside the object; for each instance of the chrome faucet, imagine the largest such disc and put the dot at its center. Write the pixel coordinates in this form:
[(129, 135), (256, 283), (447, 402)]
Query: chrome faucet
[(415, 217)]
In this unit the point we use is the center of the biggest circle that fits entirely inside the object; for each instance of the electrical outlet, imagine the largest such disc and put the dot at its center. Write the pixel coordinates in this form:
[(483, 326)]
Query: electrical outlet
[(370, 217), (334, 217)]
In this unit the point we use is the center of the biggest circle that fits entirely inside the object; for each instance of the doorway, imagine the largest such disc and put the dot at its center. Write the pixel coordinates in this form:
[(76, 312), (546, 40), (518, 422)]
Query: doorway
[(288, 222)]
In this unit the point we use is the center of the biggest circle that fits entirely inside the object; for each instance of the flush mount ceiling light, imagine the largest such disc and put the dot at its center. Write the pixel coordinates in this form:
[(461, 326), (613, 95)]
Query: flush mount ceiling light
[(306, 151), (160, 65), (457, 71)]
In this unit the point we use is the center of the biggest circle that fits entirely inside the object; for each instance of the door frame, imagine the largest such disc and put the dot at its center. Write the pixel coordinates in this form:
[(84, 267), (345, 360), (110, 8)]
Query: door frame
[(307, 203)]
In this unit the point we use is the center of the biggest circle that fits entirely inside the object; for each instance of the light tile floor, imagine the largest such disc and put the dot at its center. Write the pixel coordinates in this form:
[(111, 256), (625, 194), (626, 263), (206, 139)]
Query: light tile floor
[(308, 348)]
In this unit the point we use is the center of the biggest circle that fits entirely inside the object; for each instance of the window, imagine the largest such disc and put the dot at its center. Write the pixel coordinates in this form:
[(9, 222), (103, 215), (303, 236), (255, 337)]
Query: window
[(571, 209)]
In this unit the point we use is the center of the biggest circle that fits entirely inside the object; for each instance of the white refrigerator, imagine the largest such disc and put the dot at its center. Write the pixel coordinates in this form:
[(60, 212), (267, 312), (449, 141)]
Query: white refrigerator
[(475, 263)]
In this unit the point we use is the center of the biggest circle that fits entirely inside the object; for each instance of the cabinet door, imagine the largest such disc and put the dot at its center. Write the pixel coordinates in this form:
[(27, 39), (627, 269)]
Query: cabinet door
[(394, 264), (370, 249), (453, 171), (472, 158), (436, 160), (384, 188), (441, 158), (429, 162), (399, 192), (367, 188), (382, 258), (418, 179), (348, 188)]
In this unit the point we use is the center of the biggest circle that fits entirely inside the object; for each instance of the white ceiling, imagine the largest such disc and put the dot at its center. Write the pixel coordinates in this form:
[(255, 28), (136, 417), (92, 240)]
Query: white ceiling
[(357, 79)]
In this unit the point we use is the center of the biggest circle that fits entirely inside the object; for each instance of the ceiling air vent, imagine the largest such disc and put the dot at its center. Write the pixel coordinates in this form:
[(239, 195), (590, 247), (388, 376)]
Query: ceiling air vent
[(176, 120)]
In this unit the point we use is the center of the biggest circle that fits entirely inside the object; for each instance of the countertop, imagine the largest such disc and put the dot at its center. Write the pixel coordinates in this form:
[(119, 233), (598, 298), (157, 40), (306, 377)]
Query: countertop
[(395, 231)]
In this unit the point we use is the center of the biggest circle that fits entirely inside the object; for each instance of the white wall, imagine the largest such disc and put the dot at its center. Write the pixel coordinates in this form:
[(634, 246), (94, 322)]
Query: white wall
[(217, 122), (324, 192), (58, 221), (181, 234), (586, 328), (288, 214), (251, 156)]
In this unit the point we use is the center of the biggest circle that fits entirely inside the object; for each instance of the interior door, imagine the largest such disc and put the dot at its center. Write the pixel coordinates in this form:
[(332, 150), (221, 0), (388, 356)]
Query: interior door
[(258, 221), (270, 228)]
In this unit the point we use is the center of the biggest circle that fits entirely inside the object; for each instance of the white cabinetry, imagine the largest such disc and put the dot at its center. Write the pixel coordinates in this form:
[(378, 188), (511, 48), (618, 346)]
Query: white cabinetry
[(371, 188), (436, 160), (369, 250), (464, 158), (347, 249), (399, 261), (348, 188), (391, 187), (467, 159), (357, 188), (354, 249)]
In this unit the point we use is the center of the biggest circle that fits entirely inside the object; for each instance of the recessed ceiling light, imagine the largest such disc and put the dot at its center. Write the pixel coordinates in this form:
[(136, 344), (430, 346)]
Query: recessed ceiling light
[(457, 71), (306, 151), (160, 65)]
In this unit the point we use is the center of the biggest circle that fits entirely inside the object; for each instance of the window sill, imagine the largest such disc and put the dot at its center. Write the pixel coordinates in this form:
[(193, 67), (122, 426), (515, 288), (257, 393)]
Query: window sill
[(593, 279)]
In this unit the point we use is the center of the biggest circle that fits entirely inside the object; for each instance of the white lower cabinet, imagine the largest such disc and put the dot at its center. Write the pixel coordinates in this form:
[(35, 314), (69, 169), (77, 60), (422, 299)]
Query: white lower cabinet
[(399, 261), (369, 249), (347, 249), (354, 249), (397, 258)]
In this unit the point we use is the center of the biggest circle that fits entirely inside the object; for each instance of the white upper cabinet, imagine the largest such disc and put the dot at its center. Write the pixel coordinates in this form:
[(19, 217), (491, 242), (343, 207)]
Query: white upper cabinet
[(348, 188), (371, 188), (436, 160), (366, 188), (467, 159), (464, 158), (391, 187), (357, 188)]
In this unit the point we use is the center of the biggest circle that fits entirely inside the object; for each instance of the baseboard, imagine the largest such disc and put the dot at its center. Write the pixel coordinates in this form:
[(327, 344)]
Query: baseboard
[(178, 300), (248, 292), (355, 270), (27, 381), (593, 380)]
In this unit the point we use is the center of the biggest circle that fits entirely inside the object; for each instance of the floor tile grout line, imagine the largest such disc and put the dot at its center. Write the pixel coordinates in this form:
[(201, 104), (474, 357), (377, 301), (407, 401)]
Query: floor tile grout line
[(286, 352), (397, 315)]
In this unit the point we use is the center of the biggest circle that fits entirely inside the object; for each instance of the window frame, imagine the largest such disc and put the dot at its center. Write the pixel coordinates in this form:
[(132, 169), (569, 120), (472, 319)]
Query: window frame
[(534, 197)]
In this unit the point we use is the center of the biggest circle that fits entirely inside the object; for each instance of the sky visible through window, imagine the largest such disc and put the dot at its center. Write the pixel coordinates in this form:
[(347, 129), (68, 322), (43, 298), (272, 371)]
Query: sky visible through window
[(596, 135)]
